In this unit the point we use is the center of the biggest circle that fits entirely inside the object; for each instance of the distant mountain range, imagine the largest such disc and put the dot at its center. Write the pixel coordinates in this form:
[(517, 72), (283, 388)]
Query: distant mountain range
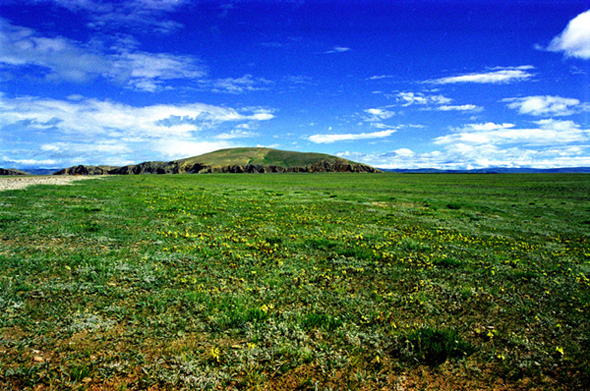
[(495, 170)]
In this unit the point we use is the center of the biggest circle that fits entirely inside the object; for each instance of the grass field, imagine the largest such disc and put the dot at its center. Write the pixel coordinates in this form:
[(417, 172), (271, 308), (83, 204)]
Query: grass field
[(309, 281)]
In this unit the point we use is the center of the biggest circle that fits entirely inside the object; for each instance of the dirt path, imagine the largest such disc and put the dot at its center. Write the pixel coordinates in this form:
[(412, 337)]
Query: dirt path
[(20, 182)]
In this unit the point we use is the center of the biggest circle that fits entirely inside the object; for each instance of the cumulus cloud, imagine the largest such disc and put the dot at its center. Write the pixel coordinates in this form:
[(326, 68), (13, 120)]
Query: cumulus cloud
[(101, 117), (404, 153), (549, 132), (378, 114), (100, 129), (500, 75), (543, 105), (574, 40), (331, 138), (465, 156), (549, 143)]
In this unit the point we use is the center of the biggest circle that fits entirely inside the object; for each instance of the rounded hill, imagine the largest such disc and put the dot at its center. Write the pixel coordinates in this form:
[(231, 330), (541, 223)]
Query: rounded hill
[(233, 160)]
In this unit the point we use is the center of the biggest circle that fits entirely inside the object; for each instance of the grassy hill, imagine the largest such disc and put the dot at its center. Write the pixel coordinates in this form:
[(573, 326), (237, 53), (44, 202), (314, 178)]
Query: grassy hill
[(233, 160), (261, 156)]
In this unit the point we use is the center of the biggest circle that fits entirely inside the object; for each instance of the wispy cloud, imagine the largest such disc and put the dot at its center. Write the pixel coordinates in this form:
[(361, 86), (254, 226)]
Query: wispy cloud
[(544, 105), (331, 138), (149, 71), (418, 98), (574, 40), (62, 59), (459, 108), (501, 75), (380, 77), (240, 85), (57, 57), (431, 102), (236, 133), (132, 14), (338, 49)]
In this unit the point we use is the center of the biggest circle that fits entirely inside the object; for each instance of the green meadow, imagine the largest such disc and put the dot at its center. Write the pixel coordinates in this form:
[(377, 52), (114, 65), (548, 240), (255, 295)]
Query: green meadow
[(297, 281)]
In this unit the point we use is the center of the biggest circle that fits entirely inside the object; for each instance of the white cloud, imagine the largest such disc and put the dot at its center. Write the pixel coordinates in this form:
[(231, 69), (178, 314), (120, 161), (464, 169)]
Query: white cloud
[(59, 58), (549, 132), (543, 105), (91, 131), (464, 156), (338, 49), (501, 75), (377, 114), (431, 102), (379, 77), (404, 152), (417, 98), (132, 14), (459, 108), (177, 149), (574, 41), (549, 143), (236, 133), (246, 83), (103, 117), (331, 138), (29, 162), (147, 71), (489, 126)]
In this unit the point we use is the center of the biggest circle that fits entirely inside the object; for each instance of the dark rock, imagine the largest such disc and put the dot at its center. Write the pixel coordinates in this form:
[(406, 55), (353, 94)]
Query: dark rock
[(85, 170)]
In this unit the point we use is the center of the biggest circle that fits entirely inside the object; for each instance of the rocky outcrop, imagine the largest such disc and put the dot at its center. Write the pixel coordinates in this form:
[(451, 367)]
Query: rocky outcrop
[(85, 170), (12, 171), (316, 167), (153, 167), (198, 168)]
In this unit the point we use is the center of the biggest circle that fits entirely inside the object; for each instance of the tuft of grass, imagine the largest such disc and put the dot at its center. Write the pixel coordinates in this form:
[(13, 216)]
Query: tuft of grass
[(434, 346)]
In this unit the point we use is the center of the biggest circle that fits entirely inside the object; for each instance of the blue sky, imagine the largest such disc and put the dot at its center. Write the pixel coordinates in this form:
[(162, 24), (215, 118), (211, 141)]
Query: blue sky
[(395, 84)]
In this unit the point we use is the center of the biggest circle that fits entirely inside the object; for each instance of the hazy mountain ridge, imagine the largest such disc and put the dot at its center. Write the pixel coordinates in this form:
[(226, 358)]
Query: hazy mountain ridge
[(12, 171), (495, 170)]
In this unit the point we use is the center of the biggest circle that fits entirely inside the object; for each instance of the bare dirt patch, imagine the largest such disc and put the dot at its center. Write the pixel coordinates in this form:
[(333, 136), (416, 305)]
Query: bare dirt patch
[(12, 183)]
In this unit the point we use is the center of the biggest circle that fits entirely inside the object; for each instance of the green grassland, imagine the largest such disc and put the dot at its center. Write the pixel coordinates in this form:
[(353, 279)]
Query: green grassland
[(297, 281)]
